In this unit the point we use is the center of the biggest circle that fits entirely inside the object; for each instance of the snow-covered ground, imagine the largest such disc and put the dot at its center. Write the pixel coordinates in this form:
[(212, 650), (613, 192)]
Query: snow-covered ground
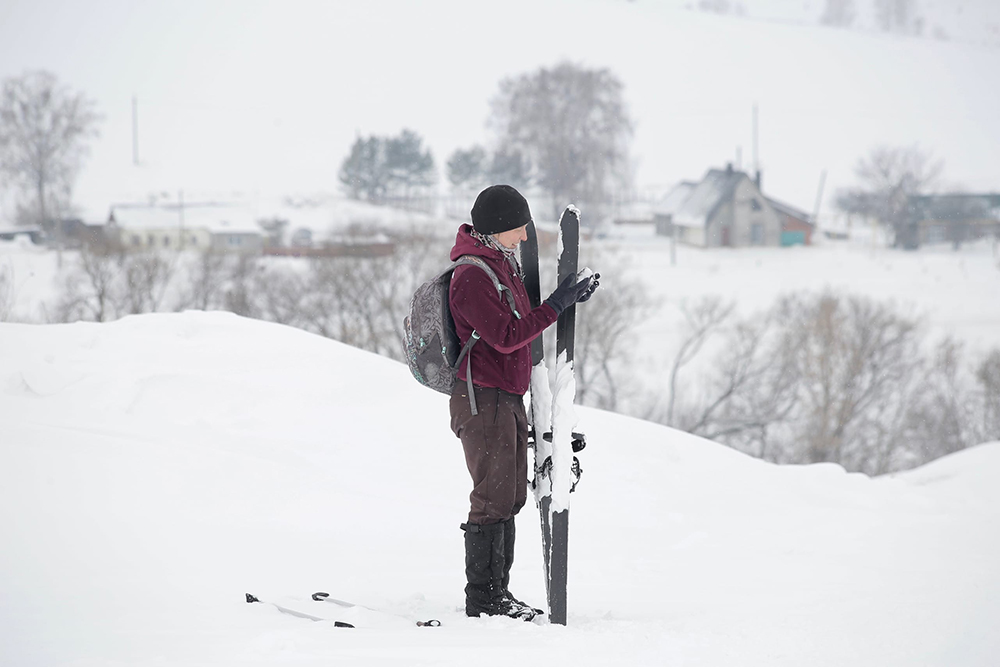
[(952, 293), (155, 469)]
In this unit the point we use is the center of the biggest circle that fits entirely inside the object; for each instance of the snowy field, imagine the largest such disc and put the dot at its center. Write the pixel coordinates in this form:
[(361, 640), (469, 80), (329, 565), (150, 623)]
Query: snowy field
[(155, 469), (951, 293)]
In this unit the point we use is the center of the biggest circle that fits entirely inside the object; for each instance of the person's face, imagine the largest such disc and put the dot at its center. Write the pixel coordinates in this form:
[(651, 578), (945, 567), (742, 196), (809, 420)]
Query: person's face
[(512, 237)]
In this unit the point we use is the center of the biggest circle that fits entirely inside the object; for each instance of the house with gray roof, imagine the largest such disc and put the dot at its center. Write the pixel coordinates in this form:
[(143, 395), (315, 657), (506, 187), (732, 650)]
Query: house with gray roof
[(724, 209), (210, 226)]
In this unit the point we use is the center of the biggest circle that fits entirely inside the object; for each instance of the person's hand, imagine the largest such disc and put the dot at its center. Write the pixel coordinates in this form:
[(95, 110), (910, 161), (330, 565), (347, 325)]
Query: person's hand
[(571, 291), (594, 284)]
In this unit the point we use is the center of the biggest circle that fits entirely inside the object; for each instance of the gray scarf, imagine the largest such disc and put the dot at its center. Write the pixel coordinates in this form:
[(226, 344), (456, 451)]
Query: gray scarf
[(510, 254)]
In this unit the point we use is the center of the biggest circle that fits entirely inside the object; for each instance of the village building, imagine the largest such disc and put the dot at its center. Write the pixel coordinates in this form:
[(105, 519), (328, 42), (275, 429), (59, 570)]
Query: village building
[(727, 209), (211, 227), (952, 218)]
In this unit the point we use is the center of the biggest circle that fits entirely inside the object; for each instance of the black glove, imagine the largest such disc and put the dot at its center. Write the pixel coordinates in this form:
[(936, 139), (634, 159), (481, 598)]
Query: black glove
[(570, 292), (594, 284)]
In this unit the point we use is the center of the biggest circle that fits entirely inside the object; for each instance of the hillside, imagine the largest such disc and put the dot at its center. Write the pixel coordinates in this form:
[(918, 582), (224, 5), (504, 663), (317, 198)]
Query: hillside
[(220, 117), (155, 469)]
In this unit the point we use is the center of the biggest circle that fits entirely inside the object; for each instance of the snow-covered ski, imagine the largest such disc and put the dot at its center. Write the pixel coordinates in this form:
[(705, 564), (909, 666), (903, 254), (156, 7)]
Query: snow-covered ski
[(553, 417)]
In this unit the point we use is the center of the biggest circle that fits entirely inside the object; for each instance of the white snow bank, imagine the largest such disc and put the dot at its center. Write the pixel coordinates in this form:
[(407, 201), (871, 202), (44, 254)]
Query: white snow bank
[(155, 469)]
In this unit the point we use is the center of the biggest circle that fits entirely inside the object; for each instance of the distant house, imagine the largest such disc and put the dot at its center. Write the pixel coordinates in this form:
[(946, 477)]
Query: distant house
[(952, 218), (725, 209), (75, 232), (215, 227), (797, 226), (10, 233)]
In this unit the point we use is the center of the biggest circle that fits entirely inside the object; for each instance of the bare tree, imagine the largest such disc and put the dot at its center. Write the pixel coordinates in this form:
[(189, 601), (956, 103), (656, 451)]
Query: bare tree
[(854, 357), (605, 340), (888, 177), (147, 274), (205, 282), (238, 295), (279, 295), (838, 13), (988, 378), (361, 301), (943, 417), (572, 125), (6, 293), (898, 16), (44, 128), (91, 290), (704, 319), (824, 378), (716, 6), (753, 392)]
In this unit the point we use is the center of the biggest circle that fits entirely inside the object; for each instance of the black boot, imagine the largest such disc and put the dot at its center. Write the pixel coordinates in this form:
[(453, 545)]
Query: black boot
[(485, 565), (509, 535)]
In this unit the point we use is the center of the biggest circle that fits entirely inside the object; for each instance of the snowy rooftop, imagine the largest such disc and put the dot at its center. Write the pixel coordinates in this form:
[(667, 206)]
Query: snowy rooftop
[(788, 209), (705, 197), (674, 199)]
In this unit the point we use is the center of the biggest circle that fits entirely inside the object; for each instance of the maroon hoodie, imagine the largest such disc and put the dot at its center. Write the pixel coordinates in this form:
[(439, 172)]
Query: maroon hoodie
[(502, 357)]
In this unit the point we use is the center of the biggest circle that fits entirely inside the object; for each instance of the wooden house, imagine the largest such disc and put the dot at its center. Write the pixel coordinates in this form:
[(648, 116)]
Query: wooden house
[(724, 209)]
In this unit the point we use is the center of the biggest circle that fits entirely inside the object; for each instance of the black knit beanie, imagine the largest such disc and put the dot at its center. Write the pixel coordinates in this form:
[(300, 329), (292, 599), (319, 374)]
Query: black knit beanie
[(499, 208)]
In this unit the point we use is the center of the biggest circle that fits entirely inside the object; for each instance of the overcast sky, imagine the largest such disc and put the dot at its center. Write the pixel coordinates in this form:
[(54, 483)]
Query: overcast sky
[(268, 96)]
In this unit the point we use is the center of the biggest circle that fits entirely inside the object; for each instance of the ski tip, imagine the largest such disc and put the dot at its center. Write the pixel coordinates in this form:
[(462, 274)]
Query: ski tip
[(341, 624), (320, 596), (251, 599), (433, 623)]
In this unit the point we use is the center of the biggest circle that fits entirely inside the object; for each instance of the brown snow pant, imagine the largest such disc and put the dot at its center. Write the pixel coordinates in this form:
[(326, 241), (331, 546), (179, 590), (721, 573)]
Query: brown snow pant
[(496, 451)]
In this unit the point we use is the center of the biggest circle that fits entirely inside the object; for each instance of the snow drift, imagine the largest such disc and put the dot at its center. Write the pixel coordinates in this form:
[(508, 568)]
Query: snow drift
[(155, 469)]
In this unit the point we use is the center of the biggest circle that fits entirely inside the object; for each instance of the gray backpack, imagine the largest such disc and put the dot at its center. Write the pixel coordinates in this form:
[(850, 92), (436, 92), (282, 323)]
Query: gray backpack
[(430, 344)]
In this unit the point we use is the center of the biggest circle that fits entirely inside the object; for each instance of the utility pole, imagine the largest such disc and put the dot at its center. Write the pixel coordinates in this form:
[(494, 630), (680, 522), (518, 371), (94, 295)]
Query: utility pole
[(819, 199), (673, 241), (756, 155), (135, 130)]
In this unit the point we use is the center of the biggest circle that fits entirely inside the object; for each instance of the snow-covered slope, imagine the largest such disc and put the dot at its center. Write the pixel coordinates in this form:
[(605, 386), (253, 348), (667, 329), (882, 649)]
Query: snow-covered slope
[(155, 469)]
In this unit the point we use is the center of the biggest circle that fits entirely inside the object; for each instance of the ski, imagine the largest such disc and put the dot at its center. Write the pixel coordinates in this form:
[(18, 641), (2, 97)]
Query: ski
[(553, 418), (294, 612), (325, 597)]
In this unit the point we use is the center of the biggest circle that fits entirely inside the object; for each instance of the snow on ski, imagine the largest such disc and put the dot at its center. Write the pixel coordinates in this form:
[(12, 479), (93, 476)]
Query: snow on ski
[(553, 418)]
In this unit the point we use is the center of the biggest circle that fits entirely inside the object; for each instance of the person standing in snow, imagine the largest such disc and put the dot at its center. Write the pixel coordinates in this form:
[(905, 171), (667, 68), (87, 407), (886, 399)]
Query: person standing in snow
[(494, 428)]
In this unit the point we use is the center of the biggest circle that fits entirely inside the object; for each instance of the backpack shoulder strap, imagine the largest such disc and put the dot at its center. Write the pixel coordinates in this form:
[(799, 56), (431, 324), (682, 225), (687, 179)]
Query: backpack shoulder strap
[(472, 260)]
